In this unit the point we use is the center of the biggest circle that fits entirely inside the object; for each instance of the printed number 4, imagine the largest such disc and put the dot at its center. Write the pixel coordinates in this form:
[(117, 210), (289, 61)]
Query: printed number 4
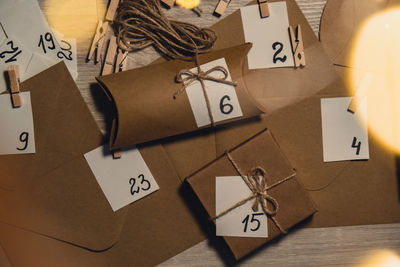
[(132, 182), (355, 145), (253, 219)]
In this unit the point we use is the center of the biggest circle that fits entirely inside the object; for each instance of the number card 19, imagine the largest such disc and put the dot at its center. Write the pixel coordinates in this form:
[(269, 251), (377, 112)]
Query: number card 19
[(241, 221)]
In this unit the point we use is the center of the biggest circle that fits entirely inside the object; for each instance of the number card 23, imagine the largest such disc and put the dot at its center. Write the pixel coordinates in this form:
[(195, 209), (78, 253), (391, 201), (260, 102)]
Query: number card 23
[(241, 221)]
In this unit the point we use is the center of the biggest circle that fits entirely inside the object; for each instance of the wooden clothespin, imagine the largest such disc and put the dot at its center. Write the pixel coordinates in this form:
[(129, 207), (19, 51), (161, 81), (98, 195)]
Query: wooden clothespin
[(117, 153), (108, 66), (264, 10), (13, 74), (101, 31), (121, 63), (296, 39), (362, 90), (169, 3), (221, 6)]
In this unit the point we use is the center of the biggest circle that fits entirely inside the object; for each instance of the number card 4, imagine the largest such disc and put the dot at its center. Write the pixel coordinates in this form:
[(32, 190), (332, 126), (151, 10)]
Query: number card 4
[(16, 124), (123, 181), (241, 221), (224, 102), (344, 134), (270, 36)]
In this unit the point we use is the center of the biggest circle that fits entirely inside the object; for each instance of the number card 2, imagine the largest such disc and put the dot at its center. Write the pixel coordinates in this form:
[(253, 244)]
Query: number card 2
[(270, 36), (16, 124), (344, 134), (224, 102), (241, 221), (123, 180)]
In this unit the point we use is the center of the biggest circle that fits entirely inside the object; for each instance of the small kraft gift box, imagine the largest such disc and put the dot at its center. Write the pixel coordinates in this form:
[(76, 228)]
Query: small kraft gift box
[(252, 194)]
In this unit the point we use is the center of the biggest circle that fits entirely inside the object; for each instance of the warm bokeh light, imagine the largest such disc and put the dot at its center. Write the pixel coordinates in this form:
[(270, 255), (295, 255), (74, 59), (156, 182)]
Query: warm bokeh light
[(188, 3), (74, 18), (383, 258), (377, 51)]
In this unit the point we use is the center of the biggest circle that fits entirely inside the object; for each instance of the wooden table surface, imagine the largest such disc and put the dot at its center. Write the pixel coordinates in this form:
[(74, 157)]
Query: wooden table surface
[(336, 246)]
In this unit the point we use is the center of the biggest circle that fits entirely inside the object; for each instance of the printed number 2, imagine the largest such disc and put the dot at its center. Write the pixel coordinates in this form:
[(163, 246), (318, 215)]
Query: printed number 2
[(225, 108), (23, 138), (276, 58), (132, 182), (253, 219), (358, 146)]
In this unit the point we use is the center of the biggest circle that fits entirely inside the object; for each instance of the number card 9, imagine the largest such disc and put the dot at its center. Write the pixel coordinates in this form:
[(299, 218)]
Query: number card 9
[(16, 124), (241, 221)]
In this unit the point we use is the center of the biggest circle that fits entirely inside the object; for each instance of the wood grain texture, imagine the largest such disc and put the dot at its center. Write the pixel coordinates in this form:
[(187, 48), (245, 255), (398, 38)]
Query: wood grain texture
[(339, 246)]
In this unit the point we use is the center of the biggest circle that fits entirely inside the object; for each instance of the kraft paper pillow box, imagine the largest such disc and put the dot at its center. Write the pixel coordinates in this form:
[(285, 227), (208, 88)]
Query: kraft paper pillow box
[(294, 203)]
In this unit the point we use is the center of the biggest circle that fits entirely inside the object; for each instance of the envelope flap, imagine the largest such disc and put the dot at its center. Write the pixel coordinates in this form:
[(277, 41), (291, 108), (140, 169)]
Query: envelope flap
[(55, 193)]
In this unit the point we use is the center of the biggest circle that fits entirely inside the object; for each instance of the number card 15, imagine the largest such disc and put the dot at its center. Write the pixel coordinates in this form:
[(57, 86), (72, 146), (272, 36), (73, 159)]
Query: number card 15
[(16, 124), (123, 180), (241, 221)]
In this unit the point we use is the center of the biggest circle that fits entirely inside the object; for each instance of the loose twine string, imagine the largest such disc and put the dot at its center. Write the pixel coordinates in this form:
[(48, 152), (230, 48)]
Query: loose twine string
[(141, 23), (256, 181)]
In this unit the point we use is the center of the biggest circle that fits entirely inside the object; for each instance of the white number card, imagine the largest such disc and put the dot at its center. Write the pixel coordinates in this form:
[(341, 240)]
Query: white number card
[(16, 124), (241, 221), (123, 180), (344, 134), (224, 103), (270, 36)]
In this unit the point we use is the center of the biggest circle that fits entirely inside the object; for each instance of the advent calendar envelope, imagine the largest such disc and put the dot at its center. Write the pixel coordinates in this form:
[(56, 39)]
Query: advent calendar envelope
[(157, 227), (292, 202), (149, 108), (341, 190), (53, 192)]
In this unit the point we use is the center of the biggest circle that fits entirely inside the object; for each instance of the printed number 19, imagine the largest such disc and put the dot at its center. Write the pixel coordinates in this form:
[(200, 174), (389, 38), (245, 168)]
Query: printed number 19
[(253, 219)]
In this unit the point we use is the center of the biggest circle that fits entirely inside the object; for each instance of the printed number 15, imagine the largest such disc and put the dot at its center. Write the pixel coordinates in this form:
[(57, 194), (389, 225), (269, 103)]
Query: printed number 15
[(252, 220)]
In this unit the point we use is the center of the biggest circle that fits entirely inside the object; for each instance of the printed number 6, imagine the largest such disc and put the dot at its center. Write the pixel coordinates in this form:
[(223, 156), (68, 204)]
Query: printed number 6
[(24, 139), (253, 219), (223, 106)]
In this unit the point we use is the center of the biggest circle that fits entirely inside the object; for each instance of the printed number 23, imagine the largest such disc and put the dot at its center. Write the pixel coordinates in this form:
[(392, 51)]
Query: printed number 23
[(143, 181), (253, 220)]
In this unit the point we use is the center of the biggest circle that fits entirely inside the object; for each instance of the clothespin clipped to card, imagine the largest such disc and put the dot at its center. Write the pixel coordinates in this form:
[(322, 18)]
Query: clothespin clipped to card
[(122, 60), (101, 31), (108, 66), (116, 154), (169, 3), (296, 39), (264, 9), (360, 94), (13, 74), (221, 6)]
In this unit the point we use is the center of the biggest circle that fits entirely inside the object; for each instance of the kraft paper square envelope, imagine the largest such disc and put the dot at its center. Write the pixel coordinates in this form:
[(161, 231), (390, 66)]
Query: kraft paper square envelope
[(53, 193), (345, 193)]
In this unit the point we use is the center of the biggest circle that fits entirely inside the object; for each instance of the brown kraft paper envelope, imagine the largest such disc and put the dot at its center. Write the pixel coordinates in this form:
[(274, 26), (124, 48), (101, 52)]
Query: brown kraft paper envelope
[(340, 23), (261, 150), (156, 228), (146, 109), (53, 191), (276, 88), (345, 193)]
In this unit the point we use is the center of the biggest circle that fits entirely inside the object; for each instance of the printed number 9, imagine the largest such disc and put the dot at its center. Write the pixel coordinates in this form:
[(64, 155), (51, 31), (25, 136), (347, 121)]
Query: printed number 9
[(24, 139), (253, 219), (225, 108)]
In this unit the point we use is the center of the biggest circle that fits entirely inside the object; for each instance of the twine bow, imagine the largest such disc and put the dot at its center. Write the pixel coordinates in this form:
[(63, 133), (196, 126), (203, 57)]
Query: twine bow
[(256, 181), (187, 77)]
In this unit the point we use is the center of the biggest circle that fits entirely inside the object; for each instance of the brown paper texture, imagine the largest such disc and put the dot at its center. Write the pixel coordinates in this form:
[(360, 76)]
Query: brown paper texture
[(146, 109), (345, 193), (261, 150)]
